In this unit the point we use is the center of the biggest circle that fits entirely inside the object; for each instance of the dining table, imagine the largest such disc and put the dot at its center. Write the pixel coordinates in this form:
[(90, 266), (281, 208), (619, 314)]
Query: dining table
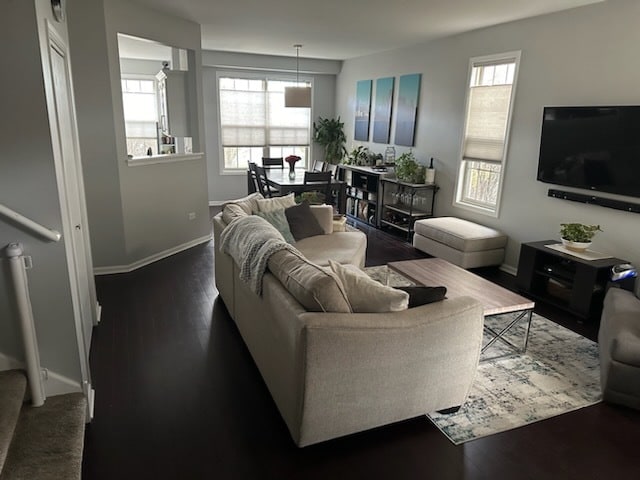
[(279, 178)]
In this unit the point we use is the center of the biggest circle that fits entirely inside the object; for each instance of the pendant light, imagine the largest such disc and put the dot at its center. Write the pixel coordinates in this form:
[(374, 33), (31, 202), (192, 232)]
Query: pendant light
[(298, 96)]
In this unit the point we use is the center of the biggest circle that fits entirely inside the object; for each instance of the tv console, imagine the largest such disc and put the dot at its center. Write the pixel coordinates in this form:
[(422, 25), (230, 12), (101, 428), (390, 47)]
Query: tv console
[(566, 281), (593, 200)]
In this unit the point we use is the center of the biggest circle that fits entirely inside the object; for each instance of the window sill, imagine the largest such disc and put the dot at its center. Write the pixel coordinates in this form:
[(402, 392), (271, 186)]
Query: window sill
[(489, 212), (164, 158)]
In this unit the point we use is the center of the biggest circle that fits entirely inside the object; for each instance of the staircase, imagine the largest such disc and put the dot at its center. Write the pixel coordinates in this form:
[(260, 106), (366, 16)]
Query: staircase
[(39, 443)]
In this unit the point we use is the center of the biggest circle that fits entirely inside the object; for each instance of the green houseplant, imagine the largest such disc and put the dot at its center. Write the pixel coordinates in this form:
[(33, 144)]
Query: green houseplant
[(329, 132), (577, 236), (408, 169)]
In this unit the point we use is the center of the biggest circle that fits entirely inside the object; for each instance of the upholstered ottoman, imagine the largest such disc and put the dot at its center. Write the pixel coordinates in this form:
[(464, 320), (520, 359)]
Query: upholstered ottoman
[(459, 241)]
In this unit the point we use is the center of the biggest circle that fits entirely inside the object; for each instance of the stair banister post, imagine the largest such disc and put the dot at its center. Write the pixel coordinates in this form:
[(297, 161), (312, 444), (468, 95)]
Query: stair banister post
[(27, 326)]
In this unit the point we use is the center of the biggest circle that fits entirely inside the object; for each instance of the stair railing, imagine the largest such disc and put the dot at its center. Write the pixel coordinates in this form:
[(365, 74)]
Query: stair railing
[(18, 268)]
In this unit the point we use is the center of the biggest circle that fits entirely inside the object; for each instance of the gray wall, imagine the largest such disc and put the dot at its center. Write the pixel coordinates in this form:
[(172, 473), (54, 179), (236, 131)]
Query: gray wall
[(322, 72), (28, 185), (584, 56), (134, 212)]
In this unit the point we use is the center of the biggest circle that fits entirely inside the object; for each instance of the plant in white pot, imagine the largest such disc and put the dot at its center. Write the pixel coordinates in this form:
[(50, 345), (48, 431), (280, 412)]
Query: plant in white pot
[(577, 236)]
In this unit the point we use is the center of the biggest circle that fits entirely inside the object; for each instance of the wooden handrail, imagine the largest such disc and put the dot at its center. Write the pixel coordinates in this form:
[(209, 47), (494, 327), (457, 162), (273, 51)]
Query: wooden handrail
[(51, 235)]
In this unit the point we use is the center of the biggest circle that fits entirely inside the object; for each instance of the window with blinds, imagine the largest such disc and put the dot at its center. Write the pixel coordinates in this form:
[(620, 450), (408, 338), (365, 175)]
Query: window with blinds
[(254, 122), (484, 145), (140, 103)]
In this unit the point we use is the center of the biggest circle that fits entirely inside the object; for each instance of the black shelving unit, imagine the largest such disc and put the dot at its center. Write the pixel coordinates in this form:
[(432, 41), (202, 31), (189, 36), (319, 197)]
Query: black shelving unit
[(565, 281), (363, 193), (401, 209)]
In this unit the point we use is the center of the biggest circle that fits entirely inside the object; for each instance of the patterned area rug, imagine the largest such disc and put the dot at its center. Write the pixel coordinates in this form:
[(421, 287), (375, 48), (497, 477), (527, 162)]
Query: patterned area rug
[(559, 373)]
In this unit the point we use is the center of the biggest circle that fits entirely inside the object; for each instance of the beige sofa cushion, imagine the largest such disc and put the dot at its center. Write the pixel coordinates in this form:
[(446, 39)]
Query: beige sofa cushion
[(316, 289), (365, 294), (276, 203), (241, 207), (343, 247)]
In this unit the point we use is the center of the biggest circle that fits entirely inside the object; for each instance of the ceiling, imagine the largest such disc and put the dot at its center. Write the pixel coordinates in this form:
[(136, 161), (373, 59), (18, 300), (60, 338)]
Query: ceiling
[(343, 29)]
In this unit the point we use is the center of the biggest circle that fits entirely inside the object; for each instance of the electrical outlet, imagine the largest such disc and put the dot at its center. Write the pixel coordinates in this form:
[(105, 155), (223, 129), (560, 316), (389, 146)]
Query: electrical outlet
[(192, 215)]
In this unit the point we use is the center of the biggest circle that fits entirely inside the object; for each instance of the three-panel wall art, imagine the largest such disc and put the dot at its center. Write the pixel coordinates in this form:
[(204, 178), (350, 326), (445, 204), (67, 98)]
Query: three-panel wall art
[(378, 129)]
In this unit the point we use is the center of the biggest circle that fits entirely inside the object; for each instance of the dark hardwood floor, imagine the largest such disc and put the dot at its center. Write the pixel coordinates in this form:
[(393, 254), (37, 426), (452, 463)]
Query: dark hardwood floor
[(179, 397)]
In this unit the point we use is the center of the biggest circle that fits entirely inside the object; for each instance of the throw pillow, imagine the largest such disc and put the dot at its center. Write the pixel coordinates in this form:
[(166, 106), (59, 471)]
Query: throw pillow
[(302, 221), (315, 288), (420, 295), (276, 203), (365, 294), (279, 221), (241, 207)]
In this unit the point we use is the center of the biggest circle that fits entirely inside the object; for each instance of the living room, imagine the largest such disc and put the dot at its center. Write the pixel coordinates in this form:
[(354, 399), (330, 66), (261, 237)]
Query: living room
[(581, 56)]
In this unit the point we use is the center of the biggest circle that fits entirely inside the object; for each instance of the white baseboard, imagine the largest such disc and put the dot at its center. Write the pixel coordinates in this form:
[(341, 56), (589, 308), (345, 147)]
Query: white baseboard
[(153, 258), (217, 203), (56, 384), (509, 269), (53, 383), (9, 363)]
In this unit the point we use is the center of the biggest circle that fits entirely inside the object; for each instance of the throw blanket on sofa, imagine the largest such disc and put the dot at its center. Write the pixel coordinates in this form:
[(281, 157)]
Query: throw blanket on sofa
[(250, 241)]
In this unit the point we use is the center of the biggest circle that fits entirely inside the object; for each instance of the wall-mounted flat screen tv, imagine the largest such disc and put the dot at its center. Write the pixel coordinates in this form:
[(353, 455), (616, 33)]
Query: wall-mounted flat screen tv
[(596, 148)]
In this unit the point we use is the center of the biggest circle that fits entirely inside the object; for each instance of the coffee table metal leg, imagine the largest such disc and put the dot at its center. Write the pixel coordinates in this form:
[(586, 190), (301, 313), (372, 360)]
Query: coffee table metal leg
[(500, 335)]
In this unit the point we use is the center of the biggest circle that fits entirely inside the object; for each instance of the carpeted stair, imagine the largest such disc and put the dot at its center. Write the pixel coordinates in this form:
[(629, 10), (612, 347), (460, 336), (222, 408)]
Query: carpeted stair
[(43, 443)]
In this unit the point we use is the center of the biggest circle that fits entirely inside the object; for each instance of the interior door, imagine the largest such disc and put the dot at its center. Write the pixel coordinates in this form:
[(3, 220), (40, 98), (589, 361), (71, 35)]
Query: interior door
[(65, 145)]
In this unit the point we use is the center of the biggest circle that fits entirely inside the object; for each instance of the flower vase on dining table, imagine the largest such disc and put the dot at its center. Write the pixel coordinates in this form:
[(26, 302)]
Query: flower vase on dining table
[(291, 160)]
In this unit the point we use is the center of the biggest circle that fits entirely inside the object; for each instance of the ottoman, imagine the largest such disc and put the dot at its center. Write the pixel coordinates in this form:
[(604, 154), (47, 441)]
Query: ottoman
[(459, 241)]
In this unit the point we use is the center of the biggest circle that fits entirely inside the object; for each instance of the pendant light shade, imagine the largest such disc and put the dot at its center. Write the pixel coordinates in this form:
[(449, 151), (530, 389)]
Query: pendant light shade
[(298, 96)]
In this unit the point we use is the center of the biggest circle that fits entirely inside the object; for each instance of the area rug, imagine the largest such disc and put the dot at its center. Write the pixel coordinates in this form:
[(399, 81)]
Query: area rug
[(559, 373)]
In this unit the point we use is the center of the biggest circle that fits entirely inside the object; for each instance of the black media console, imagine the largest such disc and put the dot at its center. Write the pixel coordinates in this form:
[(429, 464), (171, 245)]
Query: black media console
[(566, 281)]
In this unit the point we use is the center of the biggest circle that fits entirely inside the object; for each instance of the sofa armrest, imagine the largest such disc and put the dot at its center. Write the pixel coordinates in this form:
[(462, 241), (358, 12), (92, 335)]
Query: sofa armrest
[(366, 370), (324, 215)]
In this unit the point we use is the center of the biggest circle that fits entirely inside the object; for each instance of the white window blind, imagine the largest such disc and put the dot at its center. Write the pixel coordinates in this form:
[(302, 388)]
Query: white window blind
[(487, 123), (252, 114), (488, 112), (140, 108)]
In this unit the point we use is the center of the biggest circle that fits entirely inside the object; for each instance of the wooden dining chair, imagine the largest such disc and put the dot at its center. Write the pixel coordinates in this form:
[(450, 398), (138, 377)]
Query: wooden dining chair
[(318, 166), (321, 181), (259, 177), (272, 162)]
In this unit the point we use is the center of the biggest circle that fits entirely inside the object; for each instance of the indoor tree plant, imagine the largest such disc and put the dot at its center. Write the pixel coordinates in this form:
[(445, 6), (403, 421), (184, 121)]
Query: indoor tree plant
[(329, 132), (577, 236)]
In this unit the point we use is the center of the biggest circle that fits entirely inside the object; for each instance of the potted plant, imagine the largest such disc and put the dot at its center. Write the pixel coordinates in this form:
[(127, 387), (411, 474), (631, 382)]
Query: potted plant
[(329, 132), (577, 236), (408, 169)]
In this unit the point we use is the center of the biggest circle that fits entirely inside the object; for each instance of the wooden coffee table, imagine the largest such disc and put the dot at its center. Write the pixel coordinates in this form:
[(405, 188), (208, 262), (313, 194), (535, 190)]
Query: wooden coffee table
[(460, 282)]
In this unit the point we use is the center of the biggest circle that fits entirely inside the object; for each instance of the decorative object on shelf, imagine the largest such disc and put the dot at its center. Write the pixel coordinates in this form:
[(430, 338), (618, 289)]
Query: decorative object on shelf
[(430, 173), (300, 95), (329, 132), (291, 160), (577, 236), (382, 118), (408, 92), (363, 110), (408, 169), (390, 155)]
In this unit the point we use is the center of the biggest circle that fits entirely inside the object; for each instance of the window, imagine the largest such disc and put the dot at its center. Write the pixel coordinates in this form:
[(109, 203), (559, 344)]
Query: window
[(484, 146), (254, 122), (139, 100)]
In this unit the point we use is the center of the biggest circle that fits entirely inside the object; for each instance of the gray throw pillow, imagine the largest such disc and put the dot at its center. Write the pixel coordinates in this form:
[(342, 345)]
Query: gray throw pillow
[(279, 221), (420, 295), (302, 221)]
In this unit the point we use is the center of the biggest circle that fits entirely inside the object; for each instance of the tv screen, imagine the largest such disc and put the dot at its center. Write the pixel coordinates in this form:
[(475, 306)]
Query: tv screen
[(596, 148)]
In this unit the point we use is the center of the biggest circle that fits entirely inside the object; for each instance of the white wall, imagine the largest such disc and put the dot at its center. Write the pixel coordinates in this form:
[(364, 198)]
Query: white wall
[(584, 56), (138, 212), (28, 185), (323, 74)]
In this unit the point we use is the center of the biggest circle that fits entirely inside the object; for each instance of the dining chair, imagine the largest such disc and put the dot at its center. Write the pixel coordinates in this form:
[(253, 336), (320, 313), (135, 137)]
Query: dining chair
[(318, 166), (272, 162), (321, 180), (259, 177)]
